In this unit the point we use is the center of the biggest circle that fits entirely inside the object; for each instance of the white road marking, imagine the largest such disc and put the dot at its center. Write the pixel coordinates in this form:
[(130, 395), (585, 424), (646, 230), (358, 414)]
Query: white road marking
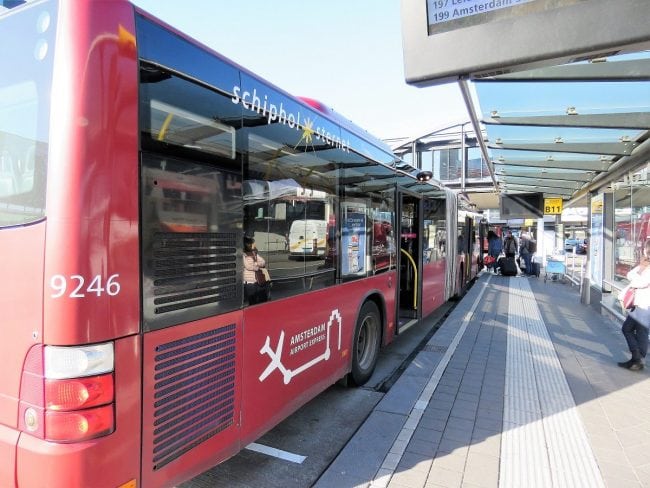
[(277, 453)]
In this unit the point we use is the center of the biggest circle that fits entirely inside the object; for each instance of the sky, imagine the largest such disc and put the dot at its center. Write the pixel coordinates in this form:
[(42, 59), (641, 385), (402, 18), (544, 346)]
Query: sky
[(345, 53)]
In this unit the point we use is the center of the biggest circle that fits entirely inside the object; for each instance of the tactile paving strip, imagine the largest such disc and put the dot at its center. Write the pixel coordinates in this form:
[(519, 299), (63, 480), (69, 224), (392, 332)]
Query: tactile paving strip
[(543, 443)]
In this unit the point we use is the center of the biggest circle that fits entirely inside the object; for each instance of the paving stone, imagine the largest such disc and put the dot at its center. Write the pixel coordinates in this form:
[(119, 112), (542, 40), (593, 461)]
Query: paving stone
[(458, 438)]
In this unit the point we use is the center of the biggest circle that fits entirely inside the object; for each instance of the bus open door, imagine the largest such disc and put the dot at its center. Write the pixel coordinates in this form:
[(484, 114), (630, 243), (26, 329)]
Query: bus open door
[(410, 261)]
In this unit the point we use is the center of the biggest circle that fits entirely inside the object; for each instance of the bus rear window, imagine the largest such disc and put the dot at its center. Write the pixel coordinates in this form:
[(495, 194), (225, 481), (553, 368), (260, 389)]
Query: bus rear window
[(26, 69), (19, 150)]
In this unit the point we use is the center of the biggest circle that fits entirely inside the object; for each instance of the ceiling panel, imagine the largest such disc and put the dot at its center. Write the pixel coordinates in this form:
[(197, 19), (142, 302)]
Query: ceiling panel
[(558, 129)]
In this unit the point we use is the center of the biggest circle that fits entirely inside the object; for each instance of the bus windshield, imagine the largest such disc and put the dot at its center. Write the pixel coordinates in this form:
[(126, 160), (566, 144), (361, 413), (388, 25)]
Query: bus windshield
[(24, 111)]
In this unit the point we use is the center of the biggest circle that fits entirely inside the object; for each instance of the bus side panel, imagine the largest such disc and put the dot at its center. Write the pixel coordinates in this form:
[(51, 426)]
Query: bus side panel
[(21, 304), (191, 405), (8, 441), (433, 286), (111, 460), (296, 348), (91, 265)]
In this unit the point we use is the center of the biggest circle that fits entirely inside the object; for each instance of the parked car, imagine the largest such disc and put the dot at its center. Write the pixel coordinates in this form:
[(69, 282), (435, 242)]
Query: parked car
[(580, 245)]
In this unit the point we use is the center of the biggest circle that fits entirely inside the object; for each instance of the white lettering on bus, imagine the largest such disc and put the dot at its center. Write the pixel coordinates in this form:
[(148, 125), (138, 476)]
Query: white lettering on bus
[(302, 340), (97, 286), (307, 334), (261, 104)]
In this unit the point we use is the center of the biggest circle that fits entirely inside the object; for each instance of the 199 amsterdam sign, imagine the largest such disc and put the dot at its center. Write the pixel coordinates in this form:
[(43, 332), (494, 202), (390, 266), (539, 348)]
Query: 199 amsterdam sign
[(444, 15)]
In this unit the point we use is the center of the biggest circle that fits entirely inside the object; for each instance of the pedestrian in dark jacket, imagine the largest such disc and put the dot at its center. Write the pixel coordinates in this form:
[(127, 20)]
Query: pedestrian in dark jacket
[(510, 248), (495, 247), (510, 245), (524, 252)]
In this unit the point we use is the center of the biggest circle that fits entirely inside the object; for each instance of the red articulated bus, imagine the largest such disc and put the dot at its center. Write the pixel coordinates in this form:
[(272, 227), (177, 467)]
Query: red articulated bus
[(133, 161)]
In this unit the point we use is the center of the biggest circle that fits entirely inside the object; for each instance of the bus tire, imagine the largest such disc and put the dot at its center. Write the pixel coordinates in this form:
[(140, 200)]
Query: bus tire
[(367, 342)]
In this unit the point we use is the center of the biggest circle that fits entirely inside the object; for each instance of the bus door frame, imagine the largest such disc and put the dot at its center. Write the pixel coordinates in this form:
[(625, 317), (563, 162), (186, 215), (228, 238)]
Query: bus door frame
[(482, 238), (415, 315)]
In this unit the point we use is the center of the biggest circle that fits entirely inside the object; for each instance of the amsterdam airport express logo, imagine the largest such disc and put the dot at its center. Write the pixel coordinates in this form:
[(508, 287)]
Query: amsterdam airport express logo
[(276, 113), (304, 340)]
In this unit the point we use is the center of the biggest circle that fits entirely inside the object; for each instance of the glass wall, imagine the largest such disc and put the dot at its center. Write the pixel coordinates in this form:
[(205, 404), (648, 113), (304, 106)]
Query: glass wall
[(449, 163), (631, 223), (476, 165), (446, 163)]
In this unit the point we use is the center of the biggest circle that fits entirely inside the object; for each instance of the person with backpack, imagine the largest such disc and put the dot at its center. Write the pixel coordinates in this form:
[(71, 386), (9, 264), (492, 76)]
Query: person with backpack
[(532, 245), (532, 249), (510, 245), (508, 265), (495, 246)]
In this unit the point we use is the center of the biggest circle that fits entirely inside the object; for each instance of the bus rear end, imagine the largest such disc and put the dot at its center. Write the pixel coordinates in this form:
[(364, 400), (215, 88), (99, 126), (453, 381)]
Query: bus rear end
[(70, 381)]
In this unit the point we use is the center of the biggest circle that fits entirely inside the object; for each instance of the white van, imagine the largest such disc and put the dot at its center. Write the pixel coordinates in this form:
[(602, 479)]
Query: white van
[(308, 238)]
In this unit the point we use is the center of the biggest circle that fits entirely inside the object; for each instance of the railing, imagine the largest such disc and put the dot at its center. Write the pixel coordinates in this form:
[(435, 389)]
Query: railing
[(575, 268)]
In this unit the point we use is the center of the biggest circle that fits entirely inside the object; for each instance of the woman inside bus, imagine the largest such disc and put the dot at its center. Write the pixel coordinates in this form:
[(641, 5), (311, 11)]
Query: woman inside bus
[(636, 325), (256, 288)]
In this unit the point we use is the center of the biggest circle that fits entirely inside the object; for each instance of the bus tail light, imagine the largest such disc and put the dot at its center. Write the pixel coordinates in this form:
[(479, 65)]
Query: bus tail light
[(79, 425), (77, 393), (67, 393)]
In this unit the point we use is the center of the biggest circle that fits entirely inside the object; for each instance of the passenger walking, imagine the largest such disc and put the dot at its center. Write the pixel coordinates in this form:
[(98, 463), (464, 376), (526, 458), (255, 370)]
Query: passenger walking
[(495, 247), (510, 245), (524, 253), (510, 250), (637, 323)]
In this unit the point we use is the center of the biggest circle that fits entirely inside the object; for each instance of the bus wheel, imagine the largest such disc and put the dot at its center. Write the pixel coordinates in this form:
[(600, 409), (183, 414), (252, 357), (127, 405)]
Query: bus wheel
[(367, 341)]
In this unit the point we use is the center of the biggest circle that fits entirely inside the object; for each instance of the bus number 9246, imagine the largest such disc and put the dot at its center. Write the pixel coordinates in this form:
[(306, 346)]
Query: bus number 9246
[(75, 286)]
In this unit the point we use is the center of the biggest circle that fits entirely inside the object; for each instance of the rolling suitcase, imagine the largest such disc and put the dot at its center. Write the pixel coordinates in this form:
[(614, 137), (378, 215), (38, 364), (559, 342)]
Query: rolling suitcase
[(534, 268), (508, 266)]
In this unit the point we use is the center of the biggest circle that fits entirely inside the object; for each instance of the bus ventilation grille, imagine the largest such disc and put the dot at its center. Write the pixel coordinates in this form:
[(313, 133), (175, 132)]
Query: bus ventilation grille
[(193, 269), (194, 392)]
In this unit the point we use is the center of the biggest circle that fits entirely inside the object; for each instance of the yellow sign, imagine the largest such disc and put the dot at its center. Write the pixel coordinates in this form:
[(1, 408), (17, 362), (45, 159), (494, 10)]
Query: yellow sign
[(597, 204), (552, 206), (529, 222)]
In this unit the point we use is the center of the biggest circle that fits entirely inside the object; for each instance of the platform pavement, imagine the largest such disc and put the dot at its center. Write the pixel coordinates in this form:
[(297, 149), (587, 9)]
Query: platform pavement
[(518, 387)]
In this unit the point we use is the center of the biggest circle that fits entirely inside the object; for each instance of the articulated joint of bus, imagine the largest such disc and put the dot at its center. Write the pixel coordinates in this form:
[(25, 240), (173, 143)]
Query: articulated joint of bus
[(67, 393)]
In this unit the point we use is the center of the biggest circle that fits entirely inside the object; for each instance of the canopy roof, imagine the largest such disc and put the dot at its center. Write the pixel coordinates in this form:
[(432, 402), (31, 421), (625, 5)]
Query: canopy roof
[(564, 130)]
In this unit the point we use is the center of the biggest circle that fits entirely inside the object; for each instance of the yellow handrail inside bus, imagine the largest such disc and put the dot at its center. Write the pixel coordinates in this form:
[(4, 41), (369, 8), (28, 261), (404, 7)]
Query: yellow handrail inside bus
[(415, 279), (165, 126)]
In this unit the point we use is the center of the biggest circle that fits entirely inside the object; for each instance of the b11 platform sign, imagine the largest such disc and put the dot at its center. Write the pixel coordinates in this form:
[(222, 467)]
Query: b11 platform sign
[(552, 206)]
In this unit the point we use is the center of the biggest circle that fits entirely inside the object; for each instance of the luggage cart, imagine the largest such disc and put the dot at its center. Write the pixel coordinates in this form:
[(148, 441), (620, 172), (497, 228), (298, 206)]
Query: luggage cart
[(555, 268)]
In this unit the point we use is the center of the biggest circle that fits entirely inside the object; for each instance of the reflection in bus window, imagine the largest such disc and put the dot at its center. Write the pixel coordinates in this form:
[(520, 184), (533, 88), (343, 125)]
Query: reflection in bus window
[(190, 215), (174, 125), (22, 156), (290, 210), (383, 234), (435, 229)]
